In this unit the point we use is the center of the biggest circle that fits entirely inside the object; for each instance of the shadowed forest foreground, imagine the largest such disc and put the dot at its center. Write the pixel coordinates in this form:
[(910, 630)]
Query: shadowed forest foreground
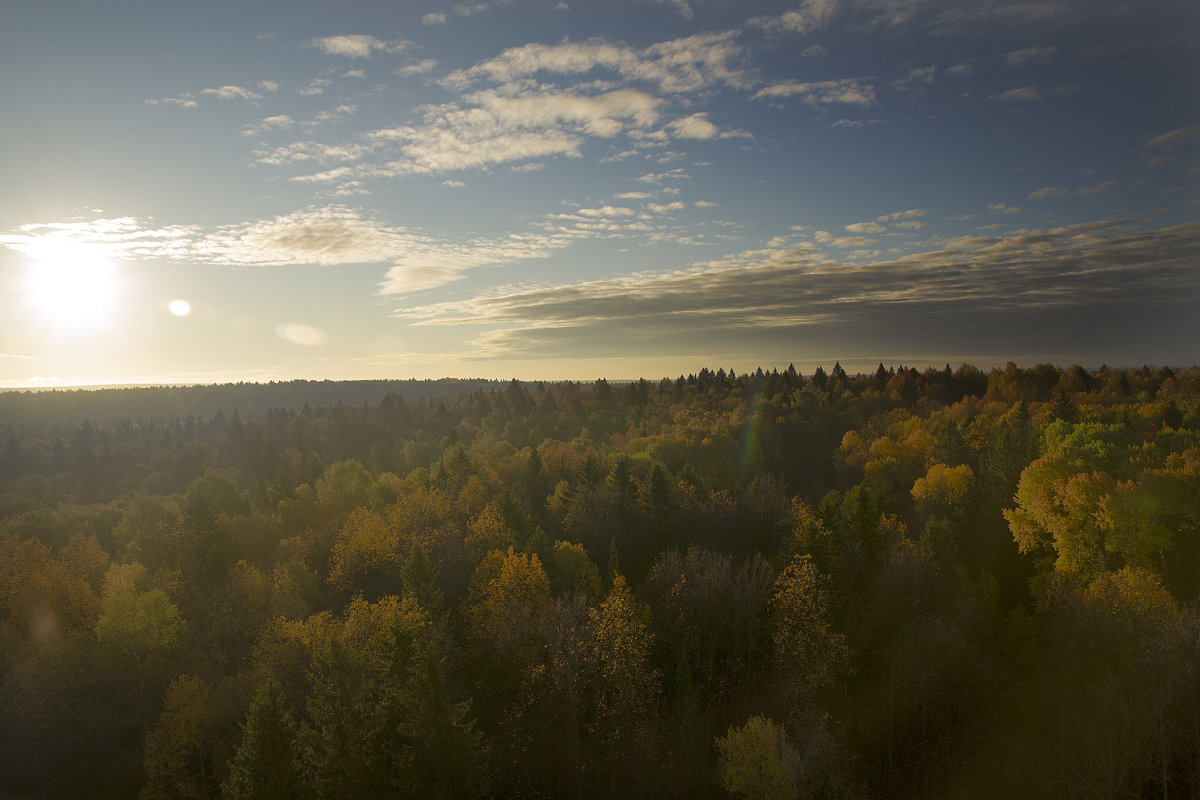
[(941, 584)]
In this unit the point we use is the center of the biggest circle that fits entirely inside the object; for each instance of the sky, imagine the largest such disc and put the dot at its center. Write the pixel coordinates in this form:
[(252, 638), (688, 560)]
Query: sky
[(254, 191)]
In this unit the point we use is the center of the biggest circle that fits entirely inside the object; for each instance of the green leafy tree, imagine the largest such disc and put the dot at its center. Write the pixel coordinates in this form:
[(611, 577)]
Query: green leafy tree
[(138, 627)]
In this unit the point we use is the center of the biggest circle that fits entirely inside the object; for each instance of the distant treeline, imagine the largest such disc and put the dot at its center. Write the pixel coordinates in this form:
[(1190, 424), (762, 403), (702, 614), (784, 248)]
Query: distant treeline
[(168, 403)]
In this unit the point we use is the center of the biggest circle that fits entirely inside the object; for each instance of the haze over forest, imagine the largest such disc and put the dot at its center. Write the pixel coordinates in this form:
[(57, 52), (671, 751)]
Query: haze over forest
[(210, 193)]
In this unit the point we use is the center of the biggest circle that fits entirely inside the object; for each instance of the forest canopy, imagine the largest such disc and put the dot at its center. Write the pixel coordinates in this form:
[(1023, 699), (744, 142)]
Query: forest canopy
[(766, 584)]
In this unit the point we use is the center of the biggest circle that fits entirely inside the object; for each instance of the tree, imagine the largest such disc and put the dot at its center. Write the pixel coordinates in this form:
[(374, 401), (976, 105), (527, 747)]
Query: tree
[(758, 762), (571, 569), (810, 657), (136, 626), (265, 764), (421, 579), (178, 755), (624, 686), (366, 555)]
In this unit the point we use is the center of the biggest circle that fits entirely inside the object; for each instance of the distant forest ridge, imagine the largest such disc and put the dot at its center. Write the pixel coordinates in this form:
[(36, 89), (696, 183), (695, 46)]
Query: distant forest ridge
[(163, 403), (105, 405)]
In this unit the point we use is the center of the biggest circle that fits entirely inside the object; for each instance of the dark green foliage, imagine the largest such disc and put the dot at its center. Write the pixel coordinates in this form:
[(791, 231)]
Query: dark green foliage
[(266, 764)]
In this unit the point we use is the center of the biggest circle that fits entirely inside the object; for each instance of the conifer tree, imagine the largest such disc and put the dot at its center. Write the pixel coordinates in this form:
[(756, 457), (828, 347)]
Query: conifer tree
[(265, 764)]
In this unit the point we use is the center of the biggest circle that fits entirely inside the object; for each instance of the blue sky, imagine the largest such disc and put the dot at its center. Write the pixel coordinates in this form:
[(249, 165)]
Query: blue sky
[(224, 192)]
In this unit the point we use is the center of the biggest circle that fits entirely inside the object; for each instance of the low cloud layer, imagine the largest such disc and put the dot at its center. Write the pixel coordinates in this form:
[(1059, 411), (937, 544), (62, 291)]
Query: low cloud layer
[(1053, 280)]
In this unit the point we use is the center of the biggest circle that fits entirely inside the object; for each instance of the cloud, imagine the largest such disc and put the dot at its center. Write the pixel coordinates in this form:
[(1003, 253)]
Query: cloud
[(851, 241), (1099, 188), (911, 213), (188, 99), (811, 14), (326, 236), (117, 239), (315, 87), (183, 101), (471, 9), (315, 152), (1048, 191), (963, 70), (487, 128), (697, 126), (1034, 283), (423, 67), (866, 227), (433, 19), (960, 18), (1025, 94), (357, 45), (917, 78), (1032, 94), (679, 173), (1163, 148), (276, 122), (326, 116), (680, 7), (1030, 55), (232, 93), (846, 91), (676, 66), (1004, 208)]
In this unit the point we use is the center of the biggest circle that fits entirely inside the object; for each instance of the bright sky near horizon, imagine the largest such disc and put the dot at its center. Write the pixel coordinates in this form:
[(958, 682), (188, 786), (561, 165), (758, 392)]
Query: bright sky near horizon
[(211, 192)]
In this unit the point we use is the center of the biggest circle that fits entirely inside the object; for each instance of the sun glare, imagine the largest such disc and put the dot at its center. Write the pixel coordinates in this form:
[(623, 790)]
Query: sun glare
[(73, 286)]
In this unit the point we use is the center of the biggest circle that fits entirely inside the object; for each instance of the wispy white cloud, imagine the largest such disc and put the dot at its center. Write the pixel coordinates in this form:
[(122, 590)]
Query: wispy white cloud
[(846, 91), (810, 15), (231, 93), (676, 66), (275, 122), (356, 45), (471, 9), (435, 18), (911, 213), (422, 67), (698, 126), (315, 87), (188, 99)]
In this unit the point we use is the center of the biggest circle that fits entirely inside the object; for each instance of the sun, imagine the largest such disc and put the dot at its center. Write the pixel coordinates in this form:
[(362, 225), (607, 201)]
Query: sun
[(73, 286)]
